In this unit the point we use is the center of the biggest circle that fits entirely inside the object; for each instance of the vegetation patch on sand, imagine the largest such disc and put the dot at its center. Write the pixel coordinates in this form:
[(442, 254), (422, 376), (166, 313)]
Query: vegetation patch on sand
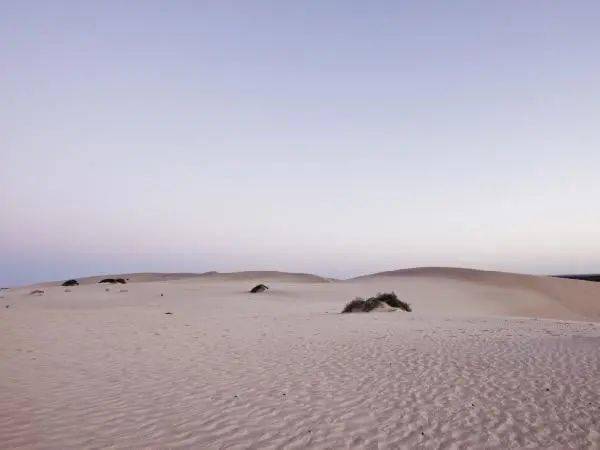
[(380, 301), (113, 280), (259, 288)]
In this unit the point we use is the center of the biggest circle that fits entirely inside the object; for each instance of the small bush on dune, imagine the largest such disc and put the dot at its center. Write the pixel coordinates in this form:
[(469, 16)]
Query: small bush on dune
[(259, 288), (362, 305), (113, 281)]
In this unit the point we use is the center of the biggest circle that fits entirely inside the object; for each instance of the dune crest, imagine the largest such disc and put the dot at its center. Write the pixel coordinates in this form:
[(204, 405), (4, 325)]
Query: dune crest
[(268, 275)]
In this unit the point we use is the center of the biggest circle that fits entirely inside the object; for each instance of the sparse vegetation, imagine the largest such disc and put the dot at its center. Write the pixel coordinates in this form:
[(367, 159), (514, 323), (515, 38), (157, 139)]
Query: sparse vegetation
[(36, 292), (361, 305), (70, 283)]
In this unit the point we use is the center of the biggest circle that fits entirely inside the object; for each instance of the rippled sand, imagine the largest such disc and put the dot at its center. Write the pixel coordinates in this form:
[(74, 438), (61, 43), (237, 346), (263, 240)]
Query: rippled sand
[(283, 369)]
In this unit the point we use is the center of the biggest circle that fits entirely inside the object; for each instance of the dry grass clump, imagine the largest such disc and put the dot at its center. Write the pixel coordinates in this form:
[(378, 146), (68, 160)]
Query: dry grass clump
[(387, 298)]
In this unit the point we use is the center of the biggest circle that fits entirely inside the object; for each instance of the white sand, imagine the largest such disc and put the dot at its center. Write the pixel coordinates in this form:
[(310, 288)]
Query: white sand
[(473, 366)]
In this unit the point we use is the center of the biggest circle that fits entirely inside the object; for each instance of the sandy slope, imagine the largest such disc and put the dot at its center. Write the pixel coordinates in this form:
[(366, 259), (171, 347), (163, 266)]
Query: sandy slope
[(500, 293), (97, 368)]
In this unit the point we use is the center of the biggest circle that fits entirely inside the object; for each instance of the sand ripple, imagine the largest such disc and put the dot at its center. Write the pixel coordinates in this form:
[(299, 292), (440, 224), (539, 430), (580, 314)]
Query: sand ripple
[(129, 377)]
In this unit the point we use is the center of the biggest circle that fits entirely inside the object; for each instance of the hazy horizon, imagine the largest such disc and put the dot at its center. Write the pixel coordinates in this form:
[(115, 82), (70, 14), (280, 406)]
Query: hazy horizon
[(335, 138)]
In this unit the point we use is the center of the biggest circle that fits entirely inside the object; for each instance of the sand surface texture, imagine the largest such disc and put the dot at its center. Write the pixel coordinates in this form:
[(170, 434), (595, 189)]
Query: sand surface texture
[(485, 360)]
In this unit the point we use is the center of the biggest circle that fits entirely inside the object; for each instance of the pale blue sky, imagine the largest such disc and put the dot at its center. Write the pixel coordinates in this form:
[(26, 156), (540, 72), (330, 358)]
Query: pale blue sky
[(333, 137)]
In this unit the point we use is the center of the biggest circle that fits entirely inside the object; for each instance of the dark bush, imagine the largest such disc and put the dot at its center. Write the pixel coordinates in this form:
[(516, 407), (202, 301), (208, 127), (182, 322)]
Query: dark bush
[(362, 305), (259, 288), (113, 280), (371, 304), (70, 283)]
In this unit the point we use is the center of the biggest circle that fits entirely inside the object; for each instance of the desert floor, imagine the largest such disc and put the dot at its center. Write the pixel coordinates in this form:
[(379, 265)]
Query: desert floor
[(485, 360)]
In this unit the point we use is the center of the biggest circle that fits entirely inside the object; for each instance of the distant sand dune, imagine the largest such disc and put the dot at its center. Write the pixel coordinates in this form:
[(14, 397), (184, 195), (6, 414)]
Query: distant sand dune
[(266, 275), (148, 277)]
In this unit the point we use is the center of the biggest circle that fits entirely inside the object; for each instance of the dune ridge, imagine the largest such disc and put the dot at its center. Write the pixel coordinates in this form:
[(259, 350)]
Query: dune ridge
[(147, 277), (430, 289)]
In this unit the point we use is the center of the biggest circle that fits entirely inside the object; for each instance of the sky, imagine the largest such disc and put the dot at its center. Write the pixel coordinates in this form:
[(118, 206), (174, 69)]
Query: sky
[(331, 137)]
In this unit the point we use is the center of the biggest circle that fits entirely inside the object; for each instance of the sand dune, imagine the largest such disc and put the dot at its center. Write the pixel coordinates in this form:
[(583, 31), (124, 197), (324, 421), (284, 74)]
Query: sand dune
[(499, 293), (212, 276), (473, 366), (267, 276)]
